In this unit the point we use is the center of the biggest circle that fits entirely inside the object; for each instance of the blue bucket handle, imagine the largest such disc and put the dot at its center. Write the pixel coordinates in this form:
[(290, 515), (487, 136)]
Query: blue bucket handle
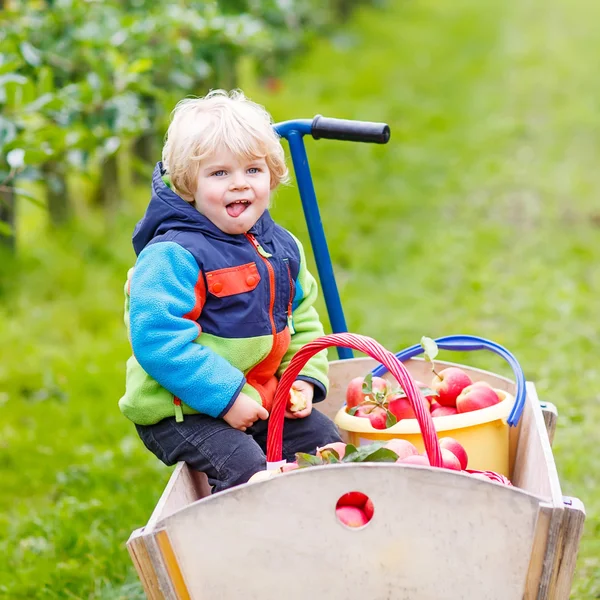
[(462, 343)]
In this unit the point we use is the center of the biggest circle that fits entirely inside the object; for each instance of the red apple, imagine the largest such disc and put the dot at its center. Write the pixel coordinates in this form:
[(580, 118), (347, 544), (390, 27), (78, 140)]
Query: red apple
[(483, 383), (449, 461), (379, 384), (400, 406), (378, 418), (416, 459), (364, 411), (455, 447), (289, 467), (297, 401), (369, 509), (475, 398), (357, 499), (339, 447), (402, 448), (352, 516), (354, 395), (443, 411), (449, 384)]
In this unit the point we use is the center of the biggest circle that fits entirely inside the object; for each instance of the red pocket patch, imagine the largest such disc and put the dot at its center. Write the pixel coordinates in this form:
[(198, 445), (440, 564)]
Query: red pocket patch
[(233, 280)]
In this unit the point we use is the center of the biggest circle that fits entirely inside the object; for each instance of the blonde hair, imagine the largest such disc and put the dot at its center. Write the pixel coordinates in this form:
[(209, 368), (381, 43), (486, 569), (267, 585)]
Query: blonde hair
[(220, 120)]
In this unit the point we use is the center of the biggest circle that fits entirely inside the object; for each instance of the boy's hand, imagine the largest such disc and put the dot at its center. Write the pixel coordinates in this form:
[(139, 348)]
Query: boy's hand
[(307, 390), (245, 412)]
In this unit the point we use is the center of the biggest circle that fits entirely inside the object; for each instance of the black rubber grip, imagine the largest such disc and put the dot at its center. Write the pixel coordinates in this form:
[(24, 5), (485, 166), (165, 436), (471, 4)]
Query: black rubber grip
[(350, 131)]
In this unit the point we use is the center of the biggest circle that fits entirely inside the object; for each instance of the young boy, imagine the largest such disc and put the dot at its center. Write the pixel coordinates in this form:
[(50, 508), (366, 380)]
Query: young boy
[(220, 299)]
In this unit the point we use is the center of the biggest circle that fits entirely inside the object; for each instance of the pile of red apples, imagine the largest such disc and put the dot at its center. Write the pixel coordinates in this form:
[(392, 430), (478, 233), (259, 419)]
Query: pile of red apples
[(451, 392)]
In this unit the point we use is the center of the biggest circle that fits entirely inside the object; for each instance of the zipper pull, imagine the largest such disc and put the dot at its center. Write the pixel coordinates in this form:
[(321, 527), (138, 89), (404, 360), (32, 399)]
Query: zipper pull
[(258, 247), (178, 409), (290, 324)]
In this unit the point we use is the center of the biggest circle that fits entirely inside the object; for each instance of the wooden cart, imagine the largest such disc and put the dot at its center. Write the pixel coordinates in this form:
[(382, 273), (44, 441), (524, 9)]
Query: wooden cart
[(435, 534)]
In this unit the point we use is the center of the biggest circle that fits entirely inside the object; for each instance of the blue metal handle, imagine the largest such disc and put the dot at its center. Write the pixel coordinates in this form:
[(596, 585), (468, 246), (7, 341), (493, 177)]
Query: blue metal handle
[(468, 343), (294, 131)]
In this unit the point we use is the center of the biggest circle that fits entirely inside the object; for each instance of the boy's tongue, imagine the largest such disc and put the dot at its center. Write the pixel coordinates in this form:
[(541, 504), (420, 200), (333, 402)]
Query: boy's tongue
[(236, 209)]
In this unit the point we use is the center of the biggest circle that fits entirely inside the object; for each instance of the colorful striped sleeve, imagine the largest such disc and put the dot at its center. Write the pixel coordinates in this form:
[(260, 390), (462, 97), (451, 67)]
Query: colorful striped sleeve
[(166, 297)]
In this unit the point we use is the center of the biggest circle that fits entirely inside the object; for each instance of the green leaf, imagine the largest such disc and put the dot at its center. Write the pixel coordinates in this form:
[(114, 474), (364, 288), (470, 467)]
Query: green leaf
[(391, 419), (34, 199), (350, 449), (141, 65), (308, 460), (381, 455), (330, 456), (45, 81), (359, 454), (8, 131), (9, 65), (31, 54), (367, 386), (430, 347), (427, 391)]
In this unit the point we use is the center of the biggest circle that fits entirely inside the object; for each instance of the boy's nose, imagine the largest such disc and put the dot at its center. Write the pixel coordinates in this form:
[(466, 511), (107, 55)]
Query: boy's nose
[(239, 182)]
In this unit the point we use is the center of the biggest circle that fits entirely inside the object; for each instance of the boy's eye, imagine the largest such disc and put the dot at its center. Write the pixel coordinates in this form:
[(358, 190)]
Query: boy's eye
[(254, 170), (219, 173)]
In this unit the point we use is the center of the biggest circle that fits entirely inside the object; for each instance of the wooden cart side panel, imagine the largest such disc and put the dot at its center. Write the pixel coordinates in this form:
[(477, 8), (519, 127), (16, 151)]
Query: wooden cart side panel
[(172, 565), (535, 469), (565, 556), (538, 553), (183, 488), (284, 522), (143, 565), (550, 413)]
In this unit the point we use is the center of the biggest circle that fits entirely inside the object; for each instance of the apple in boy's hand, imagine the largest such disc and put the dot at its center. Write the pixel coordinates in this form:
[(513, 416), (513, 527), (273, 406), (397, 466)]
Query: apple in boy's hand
[(475, 397), (296, 401), (449, 383)]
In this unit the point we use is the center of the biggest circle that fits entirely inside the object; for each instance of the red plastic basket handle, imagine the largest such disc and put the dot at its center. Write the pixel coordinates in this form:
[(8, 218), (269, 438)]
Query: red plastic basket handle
[(375, 350)]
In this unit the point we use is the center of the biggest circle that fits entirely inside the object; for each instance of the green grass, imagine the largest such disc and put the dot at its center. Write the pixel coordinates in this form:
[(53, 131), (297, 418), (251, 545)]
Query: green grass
[(480, 216)]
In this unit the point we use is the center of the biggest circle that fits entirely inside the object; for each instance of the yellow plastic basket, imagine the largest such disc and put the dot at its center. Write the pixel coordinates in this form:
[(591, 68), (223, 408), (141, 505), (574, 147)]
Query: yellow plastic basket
[(483, 433)]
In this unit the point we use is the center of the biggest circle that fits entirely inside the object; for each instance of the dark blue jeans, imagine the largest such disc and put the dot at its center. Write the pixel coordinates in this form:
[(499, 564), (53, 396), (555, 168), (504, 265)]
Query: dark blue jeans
[(229, 456)]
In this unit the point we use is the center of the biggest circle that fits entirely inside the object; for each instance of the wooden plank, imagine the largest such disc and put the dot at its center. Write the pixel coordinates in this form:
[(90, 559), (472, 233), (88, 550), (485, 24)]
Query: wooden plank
[(143, 565), (172, 565), (183, 488), (565, 556), (550, 413), (479, 535), (538, 553), (535, 471)]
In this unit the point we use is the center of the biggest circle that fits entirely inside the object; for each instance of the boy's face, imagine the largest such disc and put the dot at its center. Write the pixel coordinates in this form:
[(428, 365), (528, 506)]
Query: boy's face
[(232, 192)]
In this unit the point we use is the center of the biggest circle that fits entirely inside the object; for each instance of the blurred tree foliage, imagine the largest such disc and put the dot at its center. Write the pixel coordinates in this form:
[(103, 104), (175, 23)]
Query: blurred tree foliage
[(81, 80)]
